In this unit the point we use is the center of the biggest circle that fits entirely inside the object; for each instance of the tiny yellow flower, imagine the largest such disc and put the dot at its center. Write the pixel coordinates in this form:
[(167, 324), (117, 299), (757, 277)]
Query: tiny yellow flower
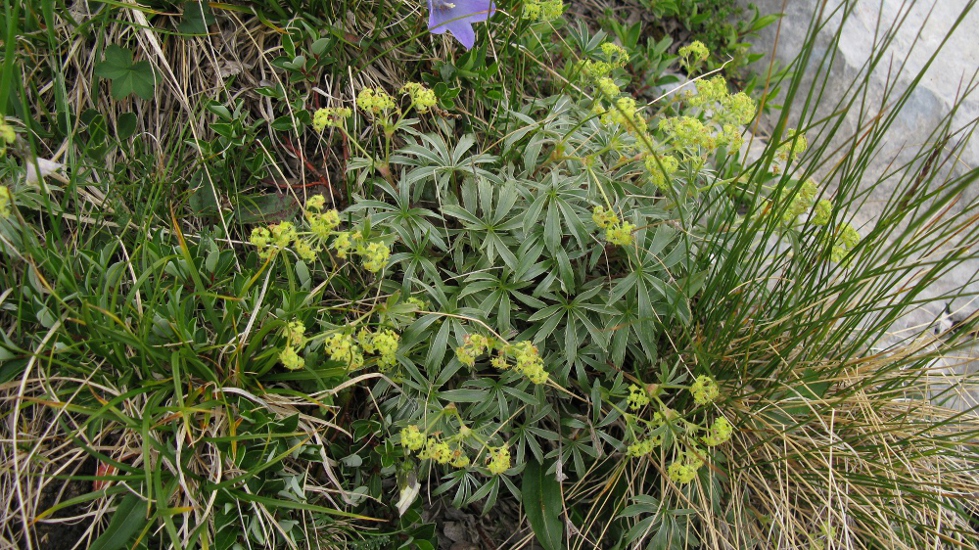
[(638, 398), (422, 98), (375, 101), (322, 225), (684, 469), (342, 244), (498, 460), (641, 448), (315, 203), (330, 116), (621, 234), (411, 438), (375, 256), (295, 333), (6, 200), (704, 390), (719, 432), (291, 360)]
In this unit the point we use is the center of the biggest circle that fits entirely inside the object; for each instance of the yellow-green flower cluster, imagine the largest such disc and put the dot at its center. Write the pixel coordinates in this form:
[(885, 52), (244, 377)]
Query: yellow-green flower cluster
[(709, 91), (384, 343), (688, 135), (704, 390), (472, 347), (607, 87), (295, 333), (801, 202), (529, 362), (321, 224), (7, 137), (684, 469), (642, 447), (291, 360), (693, 54), (620, 235), (638, 397), (330, 116), (271, 240), (542, 10), (422, 98), (526, 356), (718, 433), (846, 238), (342, 349), (343, 243), (411, 438), (615, 57), (375, 101), (374, 256), (434, 449), (6, 200), (616, 232), (498, 460), (660, 173), (796, 144), (821, 212), (737, 109), (625, 114)]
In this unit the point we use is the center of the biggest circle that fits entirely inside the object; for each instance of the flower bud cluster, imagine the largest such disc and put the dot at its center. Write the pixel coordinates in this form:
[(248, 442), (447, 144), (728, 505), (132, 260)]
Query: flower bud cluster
[(616, 232), (801, 202), (6, 200), (295, 335), (688, 135), (375, 101), (693, 54), (704, 390), (795, 144), (342, 348), (638, 397), (542, 10), (330, 117), (383, 343), (498, 460), (821, 213), (374, 255), (7, 137), (422, 98), (684, 469), (526, 356), (718, 433), (616, 57), (433, 448), (846, 238), (661, 172)]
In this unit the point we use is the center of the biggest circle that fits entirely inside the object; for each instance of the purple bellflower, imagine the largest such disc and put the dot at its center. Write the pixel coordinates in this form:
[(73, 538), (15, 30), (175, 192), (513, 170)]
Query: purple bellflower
[(457, 17)]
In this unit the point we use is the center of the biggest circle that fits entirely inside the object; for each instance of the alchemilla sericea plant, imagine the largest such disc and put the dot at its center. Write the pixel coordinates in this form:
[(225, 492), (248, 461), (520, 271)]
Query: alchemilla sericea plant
[(552, 264), (494, 256)]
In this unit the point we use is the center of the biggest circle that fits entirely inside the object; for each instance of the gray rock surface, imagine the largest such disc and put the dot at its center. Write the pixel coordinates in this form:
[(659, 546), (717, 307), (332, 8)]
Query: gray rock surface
[(923, 27)]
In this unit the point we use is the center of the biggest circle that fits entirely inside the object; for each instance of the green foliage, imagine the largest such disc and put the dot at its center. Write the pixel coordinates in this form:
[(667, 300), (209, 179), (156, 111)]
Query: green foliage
[(127, 77), (308, 300)]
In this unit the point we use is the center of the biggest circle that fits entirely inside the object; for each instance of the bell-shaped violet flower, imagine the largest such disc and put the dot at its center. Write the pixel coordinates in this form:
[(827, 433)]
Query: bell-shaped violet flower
[(457, 17)]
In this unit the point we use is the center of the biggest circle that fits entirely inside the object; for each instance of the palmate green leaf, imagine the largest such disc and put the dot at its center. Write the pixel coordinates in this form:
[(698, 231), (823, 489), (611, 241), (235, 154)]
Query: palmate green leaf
[(127, 77), (543, 503)]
